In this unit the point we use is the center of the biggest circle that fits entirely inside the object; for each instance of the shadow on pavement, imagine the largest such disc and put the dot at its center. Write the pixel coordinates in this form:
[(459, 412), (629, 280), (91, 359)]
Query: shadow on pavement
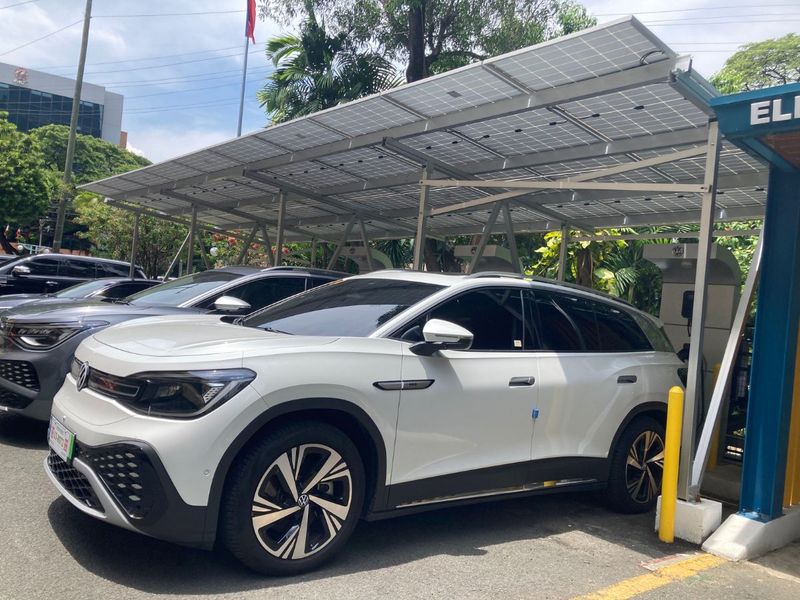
[(21, 432), (158, 567)]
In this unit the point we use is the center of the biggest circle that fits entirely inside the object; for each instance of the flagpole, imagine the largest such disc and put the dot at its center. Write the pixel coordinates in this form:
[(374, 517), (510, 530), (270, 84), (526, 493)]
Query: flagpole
[(244, 81)]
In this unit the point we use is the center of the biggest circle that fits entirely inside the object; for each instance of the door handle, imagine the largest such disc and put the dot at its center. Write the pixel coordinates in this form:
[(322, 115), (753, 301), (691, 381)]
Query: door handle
[(626, 379), (521, 381)]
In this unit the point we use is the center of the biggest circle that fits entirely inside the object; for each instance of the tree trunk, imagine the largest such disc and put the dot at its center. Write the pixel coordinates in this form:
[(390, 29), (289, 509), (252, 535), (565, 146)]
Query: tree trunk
[(584, 267), (416, 42)]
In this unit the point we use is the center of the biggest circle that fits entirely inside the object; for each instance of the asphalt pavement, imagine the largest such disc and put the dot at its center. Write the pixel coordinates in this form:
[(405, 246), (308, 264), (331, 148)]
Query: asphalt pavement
[(558, 546)]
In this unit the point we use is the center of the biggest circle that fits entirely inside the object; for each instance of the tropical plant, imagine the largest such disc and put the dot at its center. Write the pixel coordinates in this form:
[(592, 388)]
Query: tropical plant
[(760, 65), (315, 71), (26, 185)]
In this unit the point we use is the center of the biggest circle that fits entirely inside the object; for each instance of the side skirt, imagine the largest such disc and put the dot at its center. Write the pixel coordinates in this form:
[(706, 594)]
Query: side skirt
[(505, 480), (422, 507)]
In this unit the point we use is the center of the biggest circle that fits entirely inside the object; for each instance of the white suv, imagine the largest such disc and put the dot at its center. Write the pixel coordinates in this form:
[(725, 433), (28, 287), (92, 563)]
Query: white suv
[(368, 397)]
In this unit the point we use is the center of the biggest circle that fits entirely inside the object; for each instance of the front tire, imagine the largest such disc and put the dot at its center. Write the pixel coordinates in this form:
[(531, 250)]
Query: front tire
[(293, 499), (637, 467)]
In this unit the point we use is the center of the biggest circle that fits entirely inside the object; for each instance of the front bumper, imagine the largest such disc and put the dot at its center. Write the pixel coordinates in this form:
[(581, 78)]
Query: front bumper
[(126, 485), (30, 380)]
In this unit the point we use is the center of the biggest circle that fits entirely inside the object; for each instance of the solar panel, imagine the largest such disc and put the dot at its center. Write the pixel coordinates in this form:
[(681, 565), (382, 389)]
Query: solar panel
[(608, 88)]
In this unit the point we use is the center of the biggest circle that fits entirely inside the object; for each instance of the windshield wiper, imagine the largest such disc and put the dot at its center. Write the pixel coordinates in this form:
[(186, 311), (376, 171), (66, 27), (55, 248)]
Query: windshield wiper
[(273, 330)]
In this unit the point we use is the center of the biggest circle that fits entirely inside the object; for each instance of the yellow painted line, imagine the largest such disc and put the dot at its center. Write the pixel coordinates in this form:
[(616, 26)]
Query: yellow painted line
[(664, 576)]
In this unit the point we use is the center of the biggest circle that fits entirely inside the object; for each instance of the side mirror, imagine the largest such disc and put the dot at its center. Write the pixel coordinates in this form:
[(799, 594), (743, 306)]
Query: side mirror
[(21, 271), (230, 304), (442, 335)]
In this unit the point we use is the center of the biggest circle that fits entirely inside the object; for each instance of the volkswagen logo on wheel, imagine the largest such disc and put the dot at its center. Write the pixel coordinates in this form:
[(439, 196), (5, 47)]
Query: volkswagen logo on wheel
[(83, 376)]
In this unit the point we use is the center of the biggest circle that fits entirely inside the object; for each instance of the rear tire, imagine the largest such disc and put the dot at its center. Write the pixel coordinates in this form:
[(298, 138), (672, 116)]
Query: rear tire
[(637, 467), (293, 499)]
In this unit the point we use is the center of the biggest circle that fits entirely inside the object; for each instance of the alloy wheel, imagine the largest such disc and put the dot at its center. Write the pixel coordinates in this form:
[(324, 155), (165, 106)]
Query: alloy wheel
[(645, 467), (302, 501)]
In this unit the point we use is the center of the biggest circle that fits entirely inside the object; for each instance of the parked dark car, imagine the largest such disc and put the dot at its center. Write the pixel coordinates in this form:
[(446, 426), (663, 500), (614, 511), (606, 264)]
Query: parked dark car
[(37, 343), (4, 258), (110, 288), (49, 273)]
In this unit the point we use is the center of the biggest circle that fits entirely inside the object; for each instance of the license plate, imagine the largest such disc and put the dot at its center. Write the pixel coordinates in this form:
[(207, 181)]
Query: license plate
[(61, 440)]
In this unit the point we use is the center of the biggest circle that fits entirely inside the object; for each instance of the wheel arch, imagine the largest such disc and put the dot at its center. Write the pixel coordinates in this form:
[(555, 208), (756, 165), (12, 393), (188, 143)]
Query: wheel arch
[(656, 410), (342, 414)]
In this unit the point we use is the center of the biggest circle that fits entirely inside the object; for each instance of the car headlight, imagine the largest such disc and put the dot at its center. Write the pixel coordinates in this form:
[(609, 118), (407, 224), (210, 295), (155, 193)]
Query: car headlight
[(182, 394), (46, 336)]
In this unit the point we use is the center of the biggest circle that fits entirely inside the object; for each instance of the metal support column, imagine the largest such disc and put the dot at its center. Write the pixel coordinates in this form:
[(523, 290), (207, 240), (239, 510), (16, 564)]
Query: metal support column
[(487, 231), (365, 241), (422, 216), (190, 244), (281, 224), (694, 380), (176, 258), (723, 385), (268, 244), (203, 251), (313, 257), (134, 245), (562, 253), (342, 242), (511, 238), (243, 254), (774, 351)]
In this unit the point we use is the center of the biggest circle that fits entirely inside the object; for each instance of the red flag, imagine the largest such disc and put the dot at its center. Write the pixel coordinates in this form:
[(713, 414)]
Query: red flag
[(250, 26)]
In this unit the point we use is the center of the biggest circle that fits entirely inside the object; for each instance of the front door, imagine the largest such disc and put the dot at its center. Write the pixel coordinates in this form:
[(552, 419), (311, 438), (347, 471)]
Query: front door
[(465, 423)]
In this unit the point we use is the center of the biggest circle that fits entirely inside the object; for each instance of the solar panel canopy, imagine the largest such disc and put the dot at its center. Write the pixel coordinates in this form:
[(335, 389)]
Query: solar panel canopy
[(607, 96)]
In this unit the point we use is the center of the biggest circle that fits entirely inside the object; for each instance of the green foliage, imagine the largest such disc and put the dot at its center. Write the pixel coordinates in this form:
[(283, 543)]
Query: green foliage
[(110, 231), (315, 71), (26, 185), (763, 64), (450, 33), (94, 158)]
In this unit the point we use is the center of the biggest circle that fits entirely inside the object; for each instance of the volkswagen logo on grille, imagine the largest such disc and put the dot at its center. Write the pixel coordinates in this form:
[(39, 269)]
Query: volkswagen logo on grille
[(83, 376)]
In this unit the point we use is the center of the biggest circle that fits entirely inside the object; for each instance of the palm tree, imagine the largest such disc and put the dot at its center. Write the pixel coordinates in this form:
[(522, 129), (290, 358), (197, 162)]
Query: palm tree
[(315, 71)]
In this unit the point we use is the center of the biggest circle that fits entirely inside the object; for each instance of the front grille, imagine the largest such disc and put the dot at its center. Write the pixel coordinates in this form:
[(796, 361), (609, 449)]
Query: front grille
[(19, 372), (73, 481), (13, 400), (130, 477)]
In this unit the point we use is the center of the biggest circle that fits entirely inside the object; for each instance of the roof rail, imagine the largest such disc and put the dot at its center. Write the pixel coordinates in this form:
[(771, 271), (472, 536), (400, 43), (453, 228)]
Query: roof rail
[(311, 270), (496, 274), (580, 288)]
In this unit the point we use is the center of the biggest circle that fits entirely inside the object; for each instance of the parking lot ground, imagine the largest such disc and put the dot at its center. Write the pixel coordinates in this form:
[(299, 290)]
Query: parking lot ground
[(559, 546)]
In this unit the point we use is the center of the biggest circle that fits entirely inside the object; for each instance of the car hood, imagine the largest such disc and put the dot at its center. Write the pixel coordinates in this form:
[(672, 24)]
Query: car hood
[(81, 310), (12, 300), (198, 335)]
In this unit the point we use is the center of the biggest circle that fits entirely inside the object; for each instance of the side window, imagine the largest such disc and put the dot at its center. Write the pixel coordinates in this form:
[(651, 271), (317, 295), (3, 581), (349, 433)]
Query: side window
[(556, 331), (316, 282), (45, 266), (618, 331), (82, 269), (122, 290), (494, 316), (656, 335), (263, 292), (112, 269), (581, 312)]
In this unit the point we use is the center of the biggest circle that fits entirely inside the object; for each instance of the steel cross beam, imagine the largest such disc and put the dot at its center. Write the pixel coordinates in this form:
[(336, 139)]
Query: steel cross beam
[(448, 169), (321, 198), (570, 184), (211, 206)]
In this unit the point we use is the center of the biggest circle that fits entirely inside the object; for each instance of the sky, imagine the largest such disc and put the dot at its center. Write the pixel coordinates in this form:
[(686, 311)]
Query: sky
[(181, 74)]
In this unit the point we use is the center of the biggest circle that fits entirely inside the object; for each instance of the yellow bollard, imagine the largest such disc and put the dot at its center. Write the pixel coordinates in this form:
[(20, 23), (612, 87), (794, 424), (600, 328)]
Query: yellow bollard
[(672, 453)]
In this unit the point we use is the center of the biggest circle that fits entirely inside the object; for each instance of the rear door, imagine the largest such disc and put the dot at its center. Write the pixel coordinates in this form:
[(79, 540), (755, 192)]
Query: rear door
[(590, 376), (464, 425)]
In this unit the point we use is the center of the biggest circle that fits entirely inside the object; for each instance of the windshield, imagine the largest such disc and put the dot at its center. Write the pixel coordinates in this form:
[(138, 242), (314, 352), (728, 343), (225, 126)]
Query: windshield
[(82, 290), (178, 291), (348, 307)]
